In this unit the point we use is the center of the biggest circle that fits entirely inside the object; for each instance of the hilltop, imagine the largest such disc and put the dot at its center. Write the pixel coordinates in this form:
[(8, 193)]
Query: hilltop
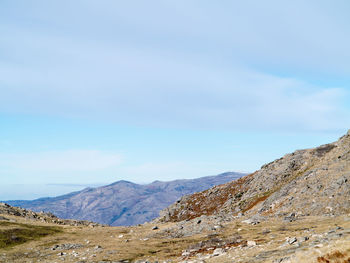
[(306, 182)]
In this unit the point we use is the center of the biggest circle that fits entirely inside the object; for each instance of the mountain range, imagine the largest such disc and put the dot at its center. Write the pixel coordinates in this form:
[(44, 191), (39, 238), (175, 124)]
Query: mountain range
[(122, 202), (295, 209)]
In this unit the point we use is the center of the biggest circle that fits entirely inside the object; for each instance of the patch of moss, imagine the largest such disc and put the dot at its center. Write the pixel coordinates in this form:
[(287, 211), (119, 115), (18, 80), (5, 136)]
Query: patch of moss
[(21, 233)]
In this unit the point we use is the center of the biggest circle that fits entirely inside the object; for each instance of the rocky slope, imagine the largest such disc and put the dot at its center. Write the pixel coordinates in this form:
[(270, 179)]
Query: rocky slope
[(123, 203), (7, 210), (307, 182)]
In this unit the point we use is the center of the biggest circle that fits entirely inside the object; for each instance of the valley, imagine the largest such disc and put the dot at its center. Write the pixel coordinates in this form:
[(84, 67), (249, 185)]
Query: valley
[(294, 209), (307, 239)]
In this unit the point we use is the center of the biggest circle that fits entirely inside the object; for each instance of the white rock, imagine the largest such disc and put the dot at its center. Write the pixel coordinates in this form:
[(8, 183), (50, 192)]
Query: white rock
[(218, 252), (247, 221), (318, 246), (292, 240), (186, 253), (251, 243)]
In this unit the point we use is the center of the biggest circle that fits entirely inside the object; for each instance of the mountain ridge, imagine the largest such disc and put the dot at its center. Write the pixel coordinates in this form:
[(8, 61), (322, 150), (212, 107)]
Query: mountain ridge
[(122, 202)]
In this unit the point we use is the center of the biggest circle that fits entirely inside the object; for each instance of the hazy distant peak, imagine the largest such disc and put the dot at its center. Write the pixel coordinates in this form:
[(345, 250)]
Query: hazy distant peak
[(123, 202)]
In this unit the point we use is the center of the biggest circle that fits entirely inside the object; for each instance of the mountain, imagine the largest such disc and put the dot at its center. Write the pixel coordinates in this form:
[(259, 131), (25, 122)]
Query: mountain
[(293, 210), (123, 202), (307, 182)]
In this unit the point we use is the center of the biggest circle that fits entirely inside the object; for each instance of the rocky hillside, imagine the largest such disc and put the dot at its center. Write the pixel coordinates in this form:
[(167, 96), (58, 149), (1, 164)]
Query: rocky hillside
[(307, 182), (123, 203), (7, 210)]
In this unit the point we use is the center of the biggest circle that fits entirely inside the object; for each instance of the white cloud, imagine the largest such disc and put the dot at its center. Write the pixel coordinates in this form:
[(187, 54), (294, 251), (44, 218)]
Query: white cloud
[(175, 92), (188, 71)]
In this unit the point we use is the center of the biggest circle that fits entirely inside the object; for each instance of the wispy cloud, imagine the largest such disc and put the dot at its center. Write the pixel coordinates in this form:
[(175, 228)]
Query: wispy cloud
[(126, 66), (176, 92)]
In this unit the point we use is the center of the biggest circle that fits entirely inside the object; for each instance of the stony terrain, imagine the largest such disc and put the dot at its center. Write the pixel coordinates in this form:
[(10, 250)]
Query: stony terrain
[(293, 210), (6, 209), (306, 239), (123, 203)]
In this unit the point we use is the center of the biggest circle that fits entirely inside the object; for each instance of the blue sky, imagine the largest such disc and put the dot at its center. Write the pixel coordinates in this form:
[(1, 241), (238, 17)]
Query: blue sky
[(92, 92)]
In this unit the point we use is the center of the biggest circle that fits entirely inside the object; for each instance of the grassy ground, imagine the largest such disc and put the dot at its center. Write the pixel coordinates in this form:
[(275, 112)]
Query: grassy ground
[(26, 241), (12, 234)]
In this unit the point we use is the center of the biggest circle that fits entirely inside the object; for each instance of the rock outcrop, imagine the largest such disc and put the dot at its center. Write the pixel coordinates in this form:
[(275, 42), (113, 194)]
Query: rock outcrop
[(307, 182), (7, 210)]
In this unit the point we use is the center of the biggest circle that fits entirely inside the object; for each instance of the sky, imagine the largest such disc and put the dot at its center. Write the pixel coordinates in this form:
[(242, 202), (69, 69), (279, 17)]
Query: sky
[(92, 92)]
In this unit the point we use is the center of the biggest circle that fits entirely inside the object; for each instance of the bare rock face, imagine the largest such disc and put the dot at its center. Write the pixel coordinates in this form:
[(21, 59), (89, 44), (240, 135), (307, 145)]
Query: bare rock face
[(307, 182)]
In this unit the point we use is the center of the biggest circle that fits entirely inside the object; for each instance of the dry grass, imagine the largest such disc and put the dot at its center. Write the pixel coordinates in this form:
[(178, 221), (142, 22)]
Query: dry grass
[(134, 243), (272, 245), (335, 257), (335, 252), (12, 234), (118, 243)]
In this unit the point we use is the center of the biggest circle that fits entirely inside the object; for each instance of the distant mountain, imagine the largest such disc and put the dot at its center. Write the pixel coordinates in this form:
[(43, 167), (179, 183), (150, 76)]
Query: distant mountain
[(123, 202)]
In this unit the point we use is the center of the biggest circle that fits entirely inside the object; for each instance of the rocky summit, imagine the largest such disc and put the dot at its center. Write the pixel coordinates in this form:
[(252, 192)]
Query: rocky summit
[(307, 182)]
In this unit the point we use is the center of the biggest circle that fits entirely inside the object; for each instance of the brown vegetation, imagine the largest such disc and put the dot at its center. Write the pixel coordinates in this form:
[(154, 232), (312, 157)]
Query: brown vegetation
[(335, 257), (210, 201)]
